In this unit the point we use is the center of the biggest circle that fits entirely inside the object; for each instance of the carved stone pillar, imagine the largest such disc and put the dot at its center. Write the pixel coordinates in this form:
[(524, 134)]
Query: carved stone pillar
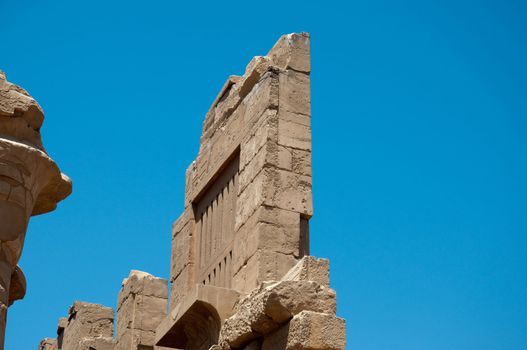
[(30, 184)]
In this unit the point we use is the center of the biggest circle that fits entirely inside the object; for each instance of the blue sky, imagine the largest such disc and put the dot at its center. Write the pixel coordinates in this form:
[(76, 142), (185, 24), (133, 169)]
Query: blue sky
[(419, 150)]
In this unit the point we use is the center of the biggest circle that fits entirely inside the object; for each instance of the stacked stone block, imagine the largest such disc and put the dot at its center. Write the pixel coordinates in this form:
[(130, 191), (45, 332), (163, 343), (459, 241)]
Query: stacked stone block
[(263, 120), (260, 126), (298, 312), (85, 322), (240, 272), (141, 305)]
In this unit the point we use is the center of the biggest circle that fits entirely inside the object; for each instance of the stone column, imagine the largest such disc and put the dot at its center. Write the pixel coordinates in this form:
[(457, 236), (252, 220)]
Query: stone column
[(30, 184)]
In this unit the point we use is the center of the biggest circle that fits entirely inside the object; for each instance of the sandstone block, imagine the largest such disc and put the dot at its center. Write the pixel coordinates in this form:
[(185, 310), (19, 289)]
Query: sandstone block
[(293, 117), (294, 135), (48, 344), (310, 268), (294, 92), (87, 321), (183, 220), (271, 229), (263, 96), (254, 167), (142, 305), (292, 51), (290, 191), (318, 331), (253, 196), (181, 285), (267, 308), (265, 130), (98, 343), (182, 250), (143, 283)]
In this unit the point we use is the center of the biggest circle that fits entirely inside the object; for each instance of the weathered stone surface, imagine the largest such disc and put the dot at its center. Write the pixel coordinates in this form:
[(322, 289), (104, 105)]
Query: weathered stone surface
[(97, 343), (48, 344), (309, 330), (240, 273), (310, 269), (24, 113), (292, 51), (141, 306), (30, 184), (17, 289), (265, 309), (294, 98), (268, 229), (198, 318), (86, 320), (182, 250)]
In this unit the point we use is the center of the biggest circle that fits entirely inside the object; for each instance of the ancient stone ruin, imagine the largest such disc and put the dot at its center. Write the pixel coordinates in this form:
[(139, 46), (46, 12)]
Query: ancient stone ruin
[(241, 275), (30, 184)]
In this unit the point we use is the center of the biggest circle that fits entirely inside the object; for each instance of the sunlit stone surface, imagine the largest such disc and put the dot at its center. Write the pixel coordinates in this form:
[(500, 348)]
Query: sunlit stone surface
[(241, 275), (30, 184)]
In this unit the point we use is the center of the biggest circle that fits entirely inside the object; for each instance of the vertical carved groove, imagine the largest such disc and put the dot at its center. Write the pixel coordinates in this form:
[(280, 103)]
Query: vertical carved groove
[(214, 213)]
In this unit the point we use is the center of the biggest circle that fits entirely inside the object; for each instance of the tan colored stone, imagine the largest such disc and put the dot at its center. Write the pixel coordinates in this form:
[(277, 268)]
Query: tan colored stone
[(181, 285), (317, 331), (96, 343), (310, 269), (291, 192), (48, 344), (294, 92), (240, 273), (309, 331), (142, 305), (30, 184), (182, 250), (292, 51), (293, 135), (265, 309), (87, 320)]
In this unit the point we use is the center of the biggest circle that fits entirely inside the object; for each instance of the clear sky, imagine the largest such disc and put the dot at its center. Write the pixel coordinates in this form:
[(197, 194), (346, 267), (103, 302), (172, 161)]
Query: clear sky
[(419, 149)]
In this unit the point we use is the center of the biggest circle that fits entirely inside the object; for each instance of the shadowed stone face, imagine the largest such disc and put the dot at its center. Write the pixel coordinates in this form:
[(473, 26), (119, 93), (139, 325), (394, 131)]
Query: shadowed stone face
[(16, 198), (24, 173)]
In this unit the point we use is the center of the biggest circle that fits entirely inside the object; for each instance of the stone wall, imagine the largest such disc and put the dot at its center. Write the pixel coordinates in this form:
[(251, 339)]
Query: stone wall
[(297, 312), (240, 272), (141, 305), (248, 193)]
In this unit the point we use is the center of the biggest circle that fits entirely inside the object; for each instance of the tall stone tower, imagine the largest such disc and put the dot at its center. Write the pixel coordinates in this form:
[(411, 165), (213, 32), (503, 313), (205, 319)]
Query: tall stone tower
[(30, 184), (241, 272), (241, 275)]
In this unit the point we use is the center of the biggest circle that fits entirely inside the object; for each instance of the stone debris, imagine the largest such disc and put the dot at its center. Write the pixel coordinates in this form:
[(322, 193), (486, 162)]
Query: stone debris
[(240, 272)]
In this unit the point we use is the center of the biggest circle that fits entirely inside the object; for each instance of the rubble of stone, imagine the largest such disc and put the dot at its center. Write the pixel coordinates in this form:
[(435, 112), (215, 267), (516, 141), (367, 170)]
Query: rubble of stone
[(240, 272), (287, 313), (30, 184)]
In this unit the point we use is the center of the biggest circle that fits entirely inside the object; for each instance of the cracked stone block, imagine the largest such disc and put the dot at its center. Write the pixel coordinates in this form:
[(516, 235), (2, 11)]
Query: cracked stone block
[(142, 305), (87, 320)]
